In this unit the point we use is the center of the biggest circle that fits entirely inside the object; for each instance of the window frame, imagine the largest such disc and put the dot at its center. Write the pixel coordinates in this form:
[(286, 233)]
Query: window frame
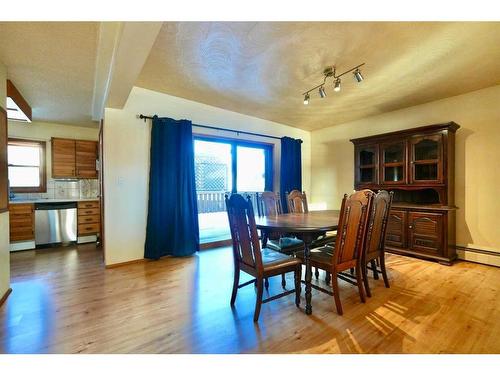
[(267, 147), (42, 188)]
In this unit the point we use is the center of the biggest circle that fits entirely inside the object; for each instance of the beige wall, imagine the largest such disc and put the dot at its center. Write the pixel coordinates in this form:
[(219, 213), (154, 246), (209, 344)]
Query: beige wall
[(43, 131), (477, 172), (4, 217), (126, 160)]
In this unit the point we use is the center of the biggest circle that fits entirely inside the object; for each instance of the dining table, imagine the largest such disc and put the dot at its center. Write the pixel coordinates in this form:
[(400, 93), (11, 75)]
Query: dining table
[(307, 227)]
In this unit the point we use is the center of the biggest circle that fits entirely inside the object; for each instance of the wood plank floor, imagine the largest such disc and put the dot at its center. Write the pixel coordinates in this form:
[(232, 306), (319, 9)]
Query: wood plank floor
[(64, 301)]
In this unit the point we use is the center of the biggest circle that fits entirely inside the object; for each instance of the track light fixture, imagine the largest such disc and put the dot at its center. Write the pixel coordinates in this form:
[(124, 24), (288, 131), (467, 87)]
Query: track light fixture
[(322, 92), (306, 99), (357, 75), (337, 85), (331, 71)]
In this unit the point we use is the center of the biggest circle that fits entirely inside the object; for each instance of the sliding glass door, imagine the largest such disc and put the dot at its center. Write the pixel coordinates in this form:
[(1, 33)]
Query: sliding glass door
[(225, 166)]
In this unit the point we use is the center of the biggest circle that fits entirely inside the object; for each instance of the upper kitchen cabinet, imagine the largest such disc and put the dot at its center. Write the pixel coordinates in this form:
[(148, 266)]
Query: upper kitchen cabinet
[(86, 157), (74, 158)]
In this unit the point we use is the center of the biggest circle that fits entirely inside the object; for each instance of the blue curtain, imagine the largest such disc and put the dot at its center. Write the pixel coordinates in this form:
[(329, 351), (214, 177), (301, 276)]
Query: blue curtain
[(269, 186), (291, 168), (172, 227)]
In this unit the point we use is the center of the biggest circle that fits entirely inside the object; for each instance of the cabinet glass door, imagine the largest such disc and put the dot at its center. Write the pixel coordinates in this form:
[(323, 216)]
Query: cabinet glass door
[(366, 165), (393, 163), (426, 159)]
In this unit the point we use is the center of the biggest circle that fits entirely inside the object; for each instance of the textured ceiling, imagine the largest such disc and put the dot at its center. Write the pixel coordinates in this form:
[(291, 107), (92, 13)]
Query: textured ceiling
[(52, 64), (261, 68)]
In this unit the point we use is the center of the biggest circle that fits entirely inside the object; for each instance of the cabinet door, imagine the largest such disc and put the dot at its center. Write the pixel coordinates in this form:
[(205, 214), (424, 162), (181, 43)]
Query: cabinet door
[(366, 164), (86, 157), (63, 158), (396, 229), (425, 230), (393, 163), (21, 222), (426, 159)]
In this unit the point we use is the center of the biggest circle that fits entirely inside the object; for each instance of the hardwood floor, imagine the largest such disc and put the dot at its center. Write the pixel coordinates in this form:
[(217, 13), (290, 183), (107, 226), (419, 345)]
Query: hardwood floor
[(64, 301)]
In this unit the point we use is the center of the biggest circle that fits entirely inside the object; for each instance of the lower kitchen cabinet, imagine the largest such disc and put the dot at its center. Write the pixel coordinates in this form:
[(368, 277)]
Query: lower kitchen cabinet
[(22, 222), (423, 232), (89, 218)]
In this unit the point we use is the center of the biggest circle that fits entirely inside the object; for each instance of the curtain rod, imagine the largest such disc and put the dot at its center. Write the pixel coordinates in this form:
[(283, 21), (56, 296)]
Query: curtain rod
[(143, 117)]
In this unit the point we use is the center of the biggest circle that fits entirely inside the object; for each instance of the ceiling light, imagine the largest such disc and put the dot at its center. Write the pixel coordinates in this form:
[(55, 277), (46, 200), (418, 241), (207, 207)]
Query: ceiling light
[(322, 92), (337, 85), (331, 71), (357, 75)]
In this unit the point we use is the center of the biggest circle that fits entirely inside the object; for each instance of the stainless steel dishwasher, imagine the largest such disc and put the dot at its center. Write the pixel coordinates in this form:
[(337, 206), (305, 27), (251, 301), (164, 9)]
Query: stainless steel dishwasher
[(55, 222)]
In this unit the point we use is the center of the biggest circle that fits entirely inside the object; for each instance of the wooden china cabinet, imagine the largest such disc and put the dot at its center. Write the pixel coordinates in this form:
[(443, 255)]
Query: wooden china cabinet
[(418, 166)]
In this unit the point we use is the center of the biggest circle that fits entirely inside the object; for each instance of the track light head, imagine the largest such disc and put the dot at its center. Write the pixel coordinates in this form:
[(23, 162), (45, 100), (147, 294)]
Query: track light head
[(357, 75), (306, 99), (322, 92), (336, 87)]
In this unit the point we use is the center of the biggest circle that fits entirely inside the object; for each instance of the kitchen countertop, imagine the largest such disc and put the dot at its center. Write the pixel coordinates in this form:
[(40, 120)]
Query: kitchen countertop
[(52, 200)]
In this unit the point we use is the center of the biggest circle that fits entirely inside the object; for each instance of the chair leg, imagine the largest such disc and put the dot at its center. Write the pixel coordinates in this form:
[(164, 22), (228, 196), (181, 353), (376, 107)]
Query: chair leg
[(374, 268), (384, 270), (336, 296), (328, 277), (258, 301), (283, 280), (316, 273), (298, 277), (365, 279), (359, 281), (235, 286), (352, 271), (266, 283)]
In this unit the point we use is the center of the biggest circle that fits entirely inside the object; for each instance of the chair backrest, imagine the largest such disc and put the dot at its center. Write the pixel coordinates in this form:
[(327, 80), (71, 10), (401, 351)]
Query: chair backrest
[(246, 245), (269, 204), (351, 231), (297, 202), (377, 224)]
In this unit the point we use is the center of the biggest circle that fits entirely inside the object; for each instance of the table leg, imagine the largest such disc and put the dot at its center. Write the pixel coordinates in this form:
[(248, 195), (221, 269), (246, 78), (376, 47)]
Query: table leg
[(308, 277)]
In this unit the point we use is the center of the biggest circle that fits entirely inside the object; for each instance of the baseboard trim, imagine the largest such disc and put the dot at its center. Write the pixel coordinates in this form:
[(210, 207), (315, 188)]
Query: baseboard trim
[(114, 265), (491, 258), (5, 295)]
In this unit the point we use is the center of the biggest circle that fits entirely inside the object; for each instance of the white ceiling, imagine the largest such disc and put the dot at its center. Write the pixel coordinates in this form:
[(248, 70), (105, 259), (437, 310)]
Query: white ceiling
[(52, 64), (255, 68), (261, 68)]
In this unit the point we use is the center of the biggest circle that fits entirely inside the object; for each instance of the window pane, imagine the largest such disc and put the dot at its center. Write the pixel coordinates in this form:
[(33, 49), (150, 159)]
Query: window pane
[(212, 163), (24, 155), (251, 169), (24, 176)]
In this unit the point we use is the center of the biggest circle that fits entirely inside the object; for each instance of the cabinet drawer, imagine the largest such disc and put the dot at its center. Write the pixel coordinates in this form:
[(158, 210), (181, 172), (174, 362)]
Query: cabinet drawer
[(88, 211), (21, 208), (88, 204), (88, 228), (86, 219)]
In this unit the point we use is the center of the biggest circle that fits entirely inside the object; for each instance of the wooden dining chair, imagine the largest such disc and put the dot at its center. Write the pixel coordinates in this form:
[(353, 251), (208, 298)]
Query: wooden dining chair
[(374, 249), (348, 248), (250, 258)]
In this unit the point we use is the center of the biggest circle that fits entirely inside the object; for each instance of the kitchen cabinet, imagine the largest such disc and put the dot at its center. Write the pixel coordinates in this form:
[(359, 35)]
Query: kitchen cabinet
[(22, 222), (74, 158), (89, 218)]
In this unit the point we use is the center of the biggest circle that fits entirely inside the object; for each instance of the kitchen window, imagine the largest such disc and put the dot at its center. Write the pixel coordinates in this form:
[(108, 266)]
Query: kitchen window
[(26, 161)]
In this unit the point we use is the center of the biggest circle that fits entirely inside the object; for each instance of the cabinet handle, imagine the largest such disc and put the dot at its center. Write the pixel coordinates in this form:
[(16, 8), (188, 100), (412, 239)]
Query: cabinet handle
[(410, 226)]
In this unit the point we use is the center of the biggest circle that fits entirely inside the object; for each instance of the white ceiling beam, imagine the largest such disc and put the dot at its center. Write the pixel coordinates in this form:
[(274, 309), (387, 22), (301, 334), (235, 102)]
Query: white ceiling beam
[(123, 48)]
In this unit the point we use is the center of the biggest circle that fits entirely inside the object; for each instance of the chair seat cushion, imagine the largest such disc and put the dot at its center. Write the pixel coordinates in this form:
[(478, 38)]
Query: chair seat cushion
[(321, 255), (285, 243), (323, 240), (272, 260)]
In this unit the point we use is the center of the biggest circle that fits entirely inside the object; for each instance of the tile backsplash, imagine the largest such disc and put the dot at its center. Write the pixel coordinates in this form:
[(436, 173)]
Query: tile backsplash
[(64, 189)]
